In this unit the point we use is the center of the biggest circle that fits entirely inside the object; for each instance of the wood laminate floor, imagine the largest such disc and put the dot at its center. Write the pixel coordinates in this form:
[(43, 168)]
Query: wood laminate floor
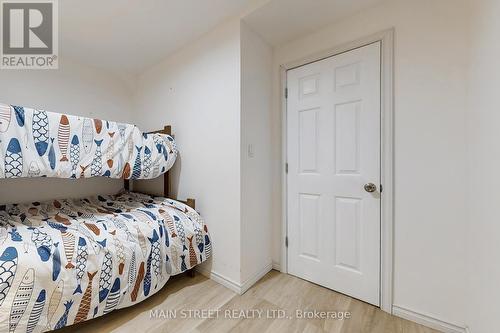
[(201, 305)]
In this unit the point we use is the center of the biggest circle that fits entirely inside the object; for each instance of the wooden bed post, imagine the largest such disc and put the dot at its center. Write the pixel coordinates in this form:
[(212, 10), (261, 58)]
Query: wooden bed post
[(191, 203), (166, 185)]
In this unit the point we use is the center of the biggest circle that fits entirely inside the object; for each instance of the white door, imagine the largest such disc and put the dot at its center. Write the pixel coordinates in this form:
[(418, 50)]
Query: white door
[(333, 139)]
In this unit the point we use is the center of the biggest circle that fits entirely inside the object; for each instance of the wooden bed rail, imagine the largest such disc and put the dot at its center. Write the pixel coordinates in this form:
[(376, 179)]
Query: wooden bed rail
[(189, 202)]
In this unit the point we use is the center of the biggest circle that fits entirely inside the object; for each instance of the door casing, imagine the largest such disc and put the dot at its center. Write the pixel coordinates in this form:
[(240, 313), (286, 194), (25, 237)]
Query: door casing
[(386, 38)]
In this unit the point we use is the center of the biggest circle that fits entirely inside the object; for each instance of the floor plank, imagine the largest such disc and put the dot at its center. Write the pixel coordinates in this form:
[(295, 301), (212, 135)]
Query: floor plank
[(200, 305)]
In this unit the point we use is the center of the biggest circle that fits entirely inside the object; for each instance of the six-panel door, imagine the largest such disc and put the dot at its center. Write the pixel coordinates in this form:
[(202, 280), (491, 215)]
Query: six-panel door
[(333, 139)]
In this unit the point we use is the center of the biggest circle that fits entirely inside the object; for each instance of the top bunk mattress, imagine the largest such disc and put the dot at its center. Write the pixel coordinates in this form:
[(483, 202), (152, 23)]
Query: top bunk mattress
[(38, 143), (66, 261)]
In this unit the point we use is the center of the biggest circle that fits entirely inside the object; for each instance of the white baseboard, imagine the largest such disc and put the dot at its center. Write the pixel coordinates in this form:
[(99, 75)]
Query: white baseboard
[(276, 266), (233, 285), (427, 320), (251, 281), (220, 279)]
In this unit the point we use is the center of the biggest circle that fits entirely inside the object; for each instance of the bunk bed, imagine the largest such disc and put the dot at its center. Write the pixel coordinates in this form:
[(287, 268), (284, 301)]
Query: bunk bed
[(69, 260)]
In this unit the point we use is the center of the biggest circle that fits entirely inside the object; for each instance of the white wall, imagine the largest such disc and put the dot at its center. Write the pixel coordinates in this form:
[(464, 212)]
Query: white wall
[(430, 156), (197, 91), (483, 129), (256, 88), (73, 89), (216, 94)]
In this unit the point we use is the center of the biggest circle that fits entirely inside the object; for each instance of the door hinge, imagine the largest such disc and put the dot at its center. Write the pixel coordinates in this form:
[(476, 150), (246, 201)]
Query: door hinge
[(286, 241), (286, 92), (381, 188), (286, 167)]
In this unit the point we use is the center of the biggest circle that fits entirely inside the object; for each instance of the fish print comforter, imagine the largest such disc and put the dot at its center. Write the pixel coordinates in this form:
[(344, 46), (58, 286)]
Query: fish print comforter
[(38, 143), (66, 261)]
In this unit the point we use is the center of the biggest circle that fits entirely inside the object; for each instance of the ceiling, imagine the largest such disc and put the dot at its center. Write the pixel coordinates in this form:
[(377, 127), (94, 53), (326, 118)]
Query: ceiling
[(280, 21), (127, 36)]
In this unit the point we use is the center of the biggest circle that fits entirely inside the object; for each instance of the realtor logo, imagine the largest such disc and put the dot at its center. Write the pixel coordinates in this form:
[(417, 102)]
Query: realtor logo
[(29, 34)]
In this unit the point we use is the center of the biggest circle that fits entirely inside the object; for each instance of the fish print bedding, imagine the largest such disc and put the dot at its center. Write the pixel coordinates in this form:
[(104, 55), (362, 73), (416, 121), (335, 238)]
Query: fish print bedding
[(67, 261), (38, 143)]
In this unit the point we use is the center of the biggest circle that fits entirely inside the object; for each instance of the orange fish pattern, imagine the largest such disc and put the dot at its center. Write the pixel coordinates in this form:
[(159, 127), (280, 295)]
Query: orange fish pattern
[(170, 223), (63, 137), (92, 227), (125, 240), (83, 309), (38, 143), (62, 220), (193, 260), (138, 283), (98, 125), (110, 152), (69, 247)]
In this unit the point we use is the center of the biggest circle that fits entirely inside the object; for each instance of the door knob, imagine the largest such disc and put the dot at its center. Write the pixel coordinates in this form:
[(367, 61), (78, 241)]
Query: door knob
[(370, 187)]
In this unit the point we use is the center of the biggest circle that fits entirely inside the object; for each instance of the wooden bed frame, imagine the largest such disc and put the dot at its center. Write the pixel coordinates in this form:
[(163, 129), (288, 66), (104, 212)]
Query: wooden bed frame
[(189, 202)]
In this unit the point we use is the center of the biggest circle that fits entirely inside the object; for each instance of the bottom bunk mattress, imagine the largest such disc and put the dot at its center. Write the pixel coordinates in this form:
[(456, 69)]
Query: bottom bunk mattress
[(67, 261)]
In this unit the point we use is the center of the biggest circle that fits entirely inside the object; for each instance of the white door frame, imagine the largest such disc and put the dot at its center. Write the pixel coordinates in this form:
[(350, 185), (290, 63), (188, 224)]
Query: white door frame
[(387, 154)]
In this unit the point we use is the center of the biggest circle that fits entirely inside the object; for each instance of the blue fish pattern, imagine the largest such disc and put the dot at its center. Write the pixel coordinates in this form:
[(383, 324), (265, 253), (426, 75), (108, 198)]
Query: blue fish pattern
[(92, 236), (136, 173), (96, 166), (208, 246), (19, 110), (43, 243), (147, 162), (56, 262), (183, 264), (52, 155), (179, 228), (82, 255), (147, 278), (13, 165), (155, 254), (106, 275), (159, 145), (41, 150), (36, 311), (40, 131), (8, 266), (164, 232), (15, 236), (148, 213), (63, 321), (74, 155), (114, 297), (57, 226)]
